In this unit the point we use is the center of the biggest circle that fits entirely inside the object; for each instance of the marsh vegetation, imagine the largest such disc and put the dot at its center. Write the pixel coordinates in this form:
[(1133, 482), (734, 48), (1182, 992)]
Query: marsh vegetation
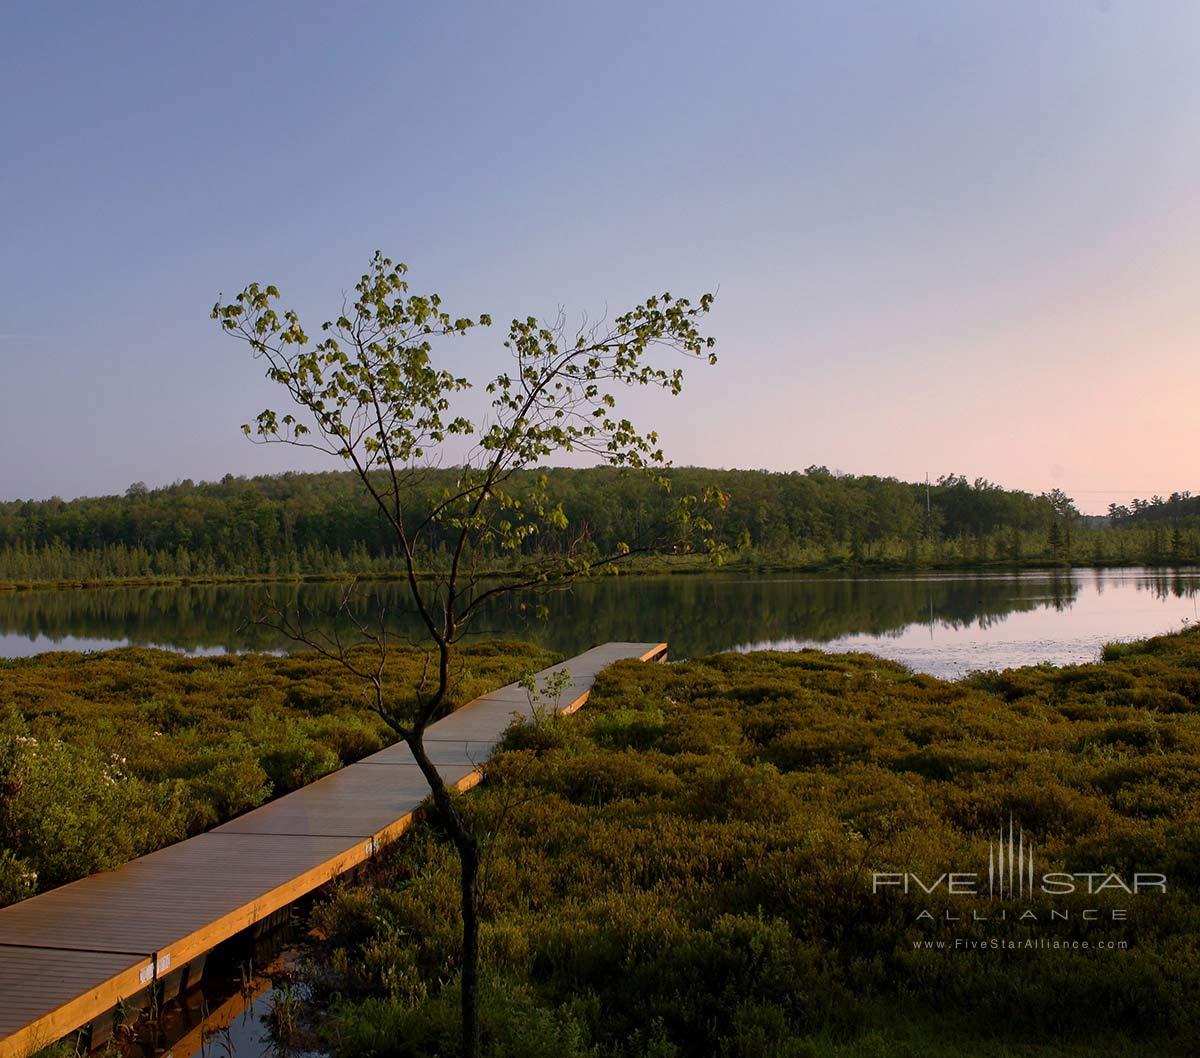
[(106, 756), (685, 867)]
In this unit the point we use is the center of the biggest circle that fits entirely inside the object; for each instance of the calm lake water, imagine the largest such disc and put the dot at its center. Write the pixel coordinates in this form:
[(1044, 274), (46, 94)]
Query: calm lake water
[(942, 624)]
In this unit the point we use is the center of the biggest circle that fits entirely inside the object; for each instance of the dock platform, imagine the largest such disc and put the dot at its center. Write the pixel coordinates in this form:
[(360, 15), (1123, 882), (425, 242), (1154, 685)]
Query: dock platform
[(70, 955)]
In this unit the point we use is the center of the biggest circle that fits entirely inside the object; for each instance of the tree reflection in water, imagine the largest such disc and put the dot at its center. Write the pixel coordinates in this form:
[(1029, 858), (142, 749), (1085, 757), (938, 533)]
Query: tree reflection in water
[(698, 614)]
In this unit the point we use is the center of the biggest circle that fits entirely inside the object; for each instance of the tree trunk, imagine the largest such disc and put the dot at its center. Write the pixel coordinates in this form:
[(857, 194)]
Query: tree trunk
[(467, 847)]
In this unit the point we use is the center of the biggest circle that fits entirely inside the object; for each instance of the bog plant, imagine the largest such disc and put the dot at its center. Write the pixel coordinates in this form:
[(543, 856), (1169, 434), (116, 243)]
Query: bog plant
[(545, 700), (686, 867)]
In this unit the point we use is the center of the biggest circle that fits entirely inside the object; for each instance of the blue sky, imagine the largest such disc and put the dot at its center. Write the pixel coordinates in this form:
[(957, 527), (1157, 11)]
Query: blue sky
[(945, 237)]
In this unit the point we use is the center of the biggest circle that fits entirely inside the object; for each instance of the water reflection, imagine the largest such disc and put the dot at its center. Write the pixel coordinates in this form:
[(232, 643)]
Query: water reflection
[(235, 1027), (230, 1014), (937, 623)]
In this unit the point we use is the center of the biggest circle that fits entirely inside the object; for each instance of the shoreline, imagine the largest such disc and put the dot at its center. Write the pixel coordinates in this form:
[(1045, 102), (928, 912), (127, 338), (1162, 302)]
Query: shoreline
[(674, 568)]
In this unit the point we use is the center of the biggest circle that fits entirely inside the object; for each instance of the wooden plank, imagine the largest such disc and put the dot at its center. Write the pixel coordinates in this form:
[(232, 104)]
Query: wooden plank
[(443, 752), (45, 994), (357, 801), (69, 955), (518, 696), (178, 902)]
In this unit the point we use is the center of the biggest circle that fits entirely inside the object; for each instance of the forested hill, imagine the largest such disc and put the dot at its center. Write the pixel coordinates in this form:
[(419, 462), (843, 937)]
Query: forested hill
[(322, 523)]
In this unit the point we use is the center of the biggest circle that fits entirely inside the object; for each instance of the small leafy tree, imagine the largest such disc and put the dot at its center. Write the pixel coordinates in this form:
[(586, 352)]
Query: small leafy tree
[(368, 393)]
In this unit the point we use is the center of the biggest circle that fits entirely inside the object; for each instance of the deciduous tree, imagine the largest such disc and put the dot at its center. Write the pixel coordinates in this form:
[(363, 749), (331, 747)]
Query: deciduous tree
[(366, 390)]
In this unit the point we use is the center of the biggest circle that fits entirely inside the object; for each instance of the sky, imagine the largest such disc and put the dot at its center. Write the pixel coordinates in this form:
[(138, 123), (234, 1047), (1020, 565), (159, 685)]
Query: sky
[(944, 237)]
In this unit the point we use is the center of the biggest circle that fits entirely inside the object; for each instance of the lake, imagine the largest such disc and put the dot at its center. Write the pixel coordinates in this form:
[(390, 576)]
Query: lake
[(945, 624)]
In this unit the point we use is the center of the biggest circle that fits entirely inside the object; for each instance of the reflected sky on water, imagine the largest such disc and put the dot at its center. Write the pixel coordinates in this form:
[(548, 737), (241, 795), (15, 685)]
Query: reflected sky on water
[(944, 624)]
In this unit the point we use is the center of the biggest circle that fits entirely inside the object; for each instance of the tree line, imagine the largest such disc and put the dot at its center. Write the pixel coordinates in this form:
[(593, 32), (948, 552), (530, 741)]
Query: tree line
[(297, 524)]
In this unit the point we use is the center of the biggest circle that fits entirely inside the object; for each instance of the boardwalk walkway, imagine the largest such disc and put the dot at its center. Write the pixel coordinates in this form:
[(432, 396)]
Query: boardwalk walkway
[(71, 954)]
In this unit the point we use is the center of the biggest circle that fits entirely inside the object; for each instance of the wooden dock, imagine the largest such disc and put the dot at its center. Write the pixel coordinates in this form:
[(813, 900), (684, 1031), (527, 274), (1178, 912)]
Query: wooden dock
[(72, 954)]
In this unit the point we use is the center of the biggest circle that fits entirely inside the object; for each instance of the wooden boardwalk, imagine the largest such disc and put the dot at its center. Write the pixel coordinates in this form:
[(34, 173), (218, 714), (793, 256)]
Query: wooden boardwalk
[(70, 955)]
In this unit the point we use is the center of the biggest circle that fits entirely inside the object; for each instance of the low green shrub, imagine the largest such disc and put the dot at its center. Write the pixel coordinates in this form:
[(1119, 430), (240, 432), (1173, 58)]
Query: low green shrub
[(517, 1026), (685, 869)]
